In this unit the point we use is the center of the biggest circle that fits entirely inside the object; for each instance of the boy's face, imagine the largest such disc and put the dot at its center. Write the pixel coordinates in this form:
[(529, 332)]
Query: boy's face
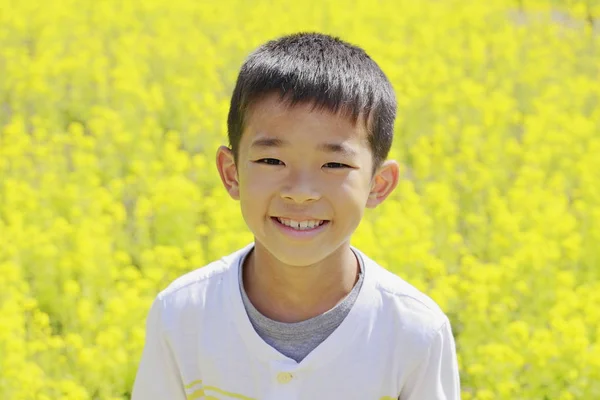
[(308, 169)]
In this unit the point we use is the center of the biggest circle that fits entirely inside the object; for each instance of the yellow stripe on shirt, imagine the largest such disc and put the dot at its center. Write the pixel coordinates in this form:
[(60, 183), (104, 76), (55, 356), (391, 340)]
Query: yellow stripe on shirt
[(195, 395), (193, 383), (201, 393)]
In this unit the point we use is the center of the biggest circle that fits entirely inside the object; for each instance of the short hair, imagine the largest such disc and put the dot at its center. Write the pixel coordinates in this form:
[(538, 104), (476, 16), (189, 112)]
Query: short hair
[(323, 70)]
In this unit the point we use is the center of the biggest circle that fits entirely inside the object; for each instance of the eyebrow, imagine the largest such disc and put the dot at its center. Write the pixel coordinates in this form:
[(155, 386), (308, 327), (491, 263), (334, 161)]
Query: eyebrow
[(269, 142), (335, 148)]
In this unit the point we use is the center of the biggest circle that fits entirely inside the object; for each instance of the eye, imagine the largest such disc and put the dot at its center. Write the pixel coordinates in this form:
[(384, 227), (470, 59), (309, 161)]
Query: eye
[(269, 161), (336, 165)]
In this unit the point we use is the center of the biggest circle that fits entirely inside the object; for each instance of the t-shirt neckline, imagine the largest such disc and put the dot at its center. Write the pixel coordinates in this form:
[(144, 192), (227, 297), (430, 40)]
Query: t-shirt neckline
[(358, 318)]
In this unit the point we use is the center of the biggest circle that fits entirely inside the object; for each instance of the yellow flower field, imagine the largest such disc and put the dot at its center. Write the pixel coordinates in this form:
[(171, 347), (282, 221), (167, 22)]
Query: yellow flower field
[(111, 113)]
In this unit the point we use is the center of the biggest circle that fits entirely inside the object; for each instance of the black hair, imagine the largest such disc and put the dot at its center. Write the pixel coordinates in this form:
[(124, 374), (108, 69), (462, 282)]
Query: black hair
[(323, 70)]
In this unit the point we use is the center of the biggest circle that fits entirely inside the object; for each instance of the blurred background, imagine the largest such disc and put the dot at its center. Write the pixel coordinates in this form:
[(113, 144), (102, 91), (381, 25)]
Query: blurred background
[(111, 113)]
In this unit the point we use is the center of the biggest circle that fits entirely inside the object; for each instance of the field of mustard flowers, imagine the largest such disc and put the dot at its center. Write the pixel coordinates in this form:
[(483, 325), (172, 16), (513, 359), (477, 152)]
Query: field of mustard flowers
[(110, 115)]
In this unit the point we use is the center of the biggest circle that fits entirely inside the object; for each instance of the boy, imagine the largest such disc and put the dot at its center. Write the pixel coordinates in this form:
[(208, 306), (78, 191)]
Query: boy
[(299, 313)]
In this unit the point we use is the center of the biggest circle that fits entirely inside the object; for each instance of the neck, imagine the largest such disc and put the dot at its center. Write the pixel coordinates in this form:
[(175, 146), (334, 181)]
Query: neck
[(287, 293)]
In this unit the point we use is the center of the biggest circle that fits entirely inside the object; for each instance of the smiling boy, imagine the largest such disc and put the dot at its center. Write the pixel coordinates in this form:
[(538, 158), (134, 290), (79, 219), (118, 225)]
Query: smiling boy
[(300, 313)]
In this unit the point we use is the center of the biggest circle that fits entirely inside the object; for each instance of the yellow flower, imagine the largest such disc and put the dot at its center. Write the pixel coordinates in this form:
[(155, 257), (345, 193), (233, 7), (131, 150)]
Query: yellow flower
[(108, 188)]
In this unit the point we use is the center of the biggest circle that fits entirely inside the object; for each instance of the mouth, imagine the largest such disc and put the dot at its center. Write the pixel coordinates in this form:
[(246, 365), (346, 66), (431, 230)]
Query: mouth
[(305, 225)]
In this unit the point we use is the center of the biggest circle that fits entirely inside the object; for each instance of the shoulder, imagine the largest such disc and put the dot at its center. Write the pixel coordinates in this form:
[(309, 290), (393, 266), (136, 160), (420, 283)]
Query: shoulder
[(187, 295), (416, 331), (402, 304)]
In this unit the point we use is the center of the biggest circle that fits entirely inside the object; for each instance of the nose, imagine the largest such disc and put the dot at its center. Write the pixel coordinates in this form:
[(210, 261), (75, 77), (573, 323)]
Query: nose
[(300, 187)]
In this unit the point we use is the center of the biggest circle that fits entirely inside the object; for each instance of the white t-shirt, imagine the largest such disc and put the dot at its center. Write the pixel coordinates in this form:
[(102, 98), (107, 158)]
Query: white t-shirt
[(394, 343)]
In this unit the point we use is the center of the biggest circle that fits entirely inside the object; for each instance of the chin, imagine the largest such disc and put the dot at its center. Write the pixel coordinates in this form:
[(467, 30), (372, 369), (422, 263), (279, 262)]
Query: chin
[(298, 256)]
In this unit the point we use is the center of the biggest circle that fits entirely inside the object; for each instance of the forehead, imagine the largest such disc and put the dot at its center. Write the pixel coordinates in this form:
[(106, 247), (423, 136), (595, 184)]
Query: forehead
[(273, 117)]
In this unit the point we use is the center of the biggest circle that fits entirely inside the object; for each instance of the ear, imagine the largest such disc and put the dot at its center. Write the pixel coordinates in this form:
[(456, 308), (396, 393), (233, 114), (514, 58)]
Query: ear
[(383, 183), (228, 171)]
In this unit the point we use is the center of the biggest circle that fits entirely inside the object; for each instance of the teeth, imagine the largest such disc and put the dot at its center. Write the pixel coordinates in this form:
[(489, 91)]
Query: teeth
[(301, 226)]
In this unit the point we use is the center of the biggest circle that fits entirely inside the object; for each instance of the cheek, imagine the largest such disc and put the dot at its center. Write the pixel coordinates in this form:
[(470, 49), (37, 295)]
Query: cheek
[(254, 189), (256, 186), (350, 200), (355, 187)]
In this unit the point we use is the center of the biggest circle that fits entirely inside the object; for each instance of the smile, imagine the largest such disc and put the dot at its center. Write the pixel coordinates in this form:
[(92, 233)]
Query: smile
[(301, 225)]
